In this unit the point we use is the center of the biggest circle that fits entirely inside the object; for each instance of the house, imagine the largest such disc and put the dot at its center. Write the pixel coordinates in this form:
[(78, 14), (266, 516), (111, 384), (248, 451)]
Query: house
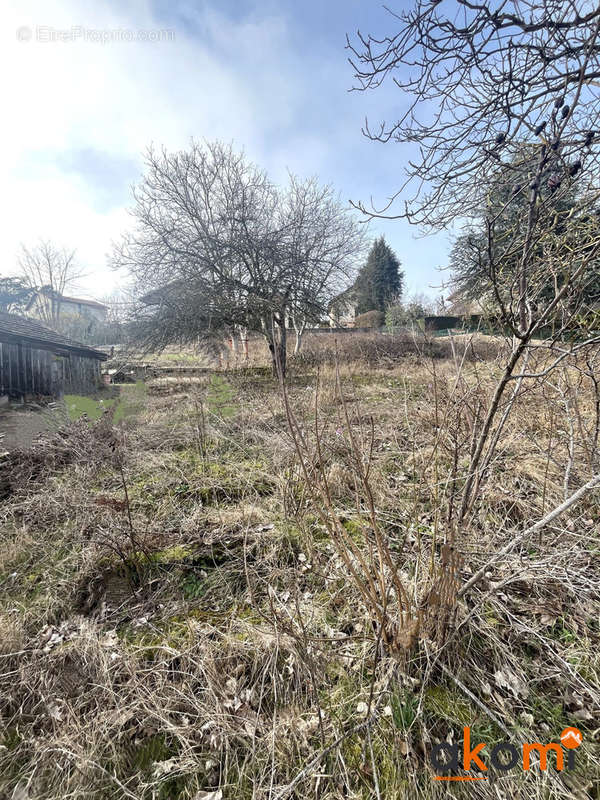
[(342, 309), (44, 301), (35, 360), (78, 305)]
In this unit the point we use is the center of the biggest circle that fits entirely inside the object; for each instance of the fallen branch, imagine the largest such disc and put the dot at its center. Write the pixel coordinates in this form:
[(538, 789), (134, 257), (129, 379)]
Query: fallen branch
[(552, 515)]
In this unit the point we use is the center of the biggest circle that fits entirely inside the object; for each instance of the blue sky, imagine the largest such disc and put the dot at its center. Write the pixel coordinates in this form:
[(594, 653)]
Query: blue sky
[(272, 77)]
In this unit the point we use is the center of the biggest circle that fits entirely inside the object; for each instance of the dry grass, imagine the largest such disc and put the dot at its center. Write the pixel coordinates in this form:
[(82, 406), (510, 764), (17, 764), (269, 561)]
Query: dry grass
[(223, 648), (386, 351)]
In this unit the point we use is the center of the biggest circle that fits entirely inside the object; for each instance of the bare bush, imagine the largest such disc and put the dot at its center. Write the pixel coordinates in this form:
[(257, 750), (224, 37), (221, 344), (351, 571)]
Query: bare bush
[(386, 351)]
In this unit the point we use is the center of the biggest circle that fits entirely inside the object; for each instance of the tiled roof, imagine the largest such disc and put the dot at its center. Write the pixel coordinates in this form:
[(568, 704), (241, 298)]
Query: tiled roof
[(14, 327), (82, 301)]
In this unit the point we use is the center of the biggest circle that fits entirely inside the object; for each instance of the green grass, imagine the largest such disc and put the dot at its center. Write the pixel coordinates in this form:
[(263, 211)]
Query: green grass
[(221, 397), (78, 405), (129, 403)]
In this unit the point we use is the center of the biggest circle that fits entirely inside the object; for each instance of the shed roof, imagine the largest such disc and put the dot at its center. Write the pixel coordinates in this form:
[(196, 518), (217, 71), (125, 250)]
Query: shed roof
[(15, 328)]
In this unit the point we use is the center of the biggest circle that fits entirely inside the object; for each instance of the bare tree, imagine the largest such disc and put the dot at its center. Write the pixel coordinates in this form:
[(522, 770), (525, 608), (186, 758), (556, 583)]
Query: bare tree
[(484, 77), (223, 249), (50, 271), (119, 302), (504, 95)]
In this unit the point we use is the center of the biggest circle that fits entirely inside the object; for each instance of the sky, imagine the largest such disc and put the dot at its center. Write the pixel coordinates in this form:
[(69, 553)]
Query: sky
[(90, 85)]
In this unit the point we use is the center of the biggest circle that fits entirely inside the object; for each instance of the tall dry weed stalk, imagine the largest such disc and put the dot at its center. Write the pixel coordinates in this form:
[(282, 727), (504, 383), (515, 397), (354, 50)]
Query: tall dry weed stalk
[(372, 566), (471, 421)]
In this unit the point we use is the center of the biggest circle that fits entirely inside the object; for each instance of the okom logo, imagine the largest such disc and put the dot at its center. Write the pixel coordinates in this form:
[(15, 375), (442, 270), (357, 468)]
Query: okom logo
[(445, 757)]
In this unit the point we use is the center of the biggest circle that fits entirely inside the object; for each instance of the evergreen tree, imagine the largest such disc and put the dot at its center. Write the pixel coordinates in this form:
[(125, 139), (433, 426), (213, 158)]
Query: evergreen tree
[(14, 295), (380, 280), (505, 214)]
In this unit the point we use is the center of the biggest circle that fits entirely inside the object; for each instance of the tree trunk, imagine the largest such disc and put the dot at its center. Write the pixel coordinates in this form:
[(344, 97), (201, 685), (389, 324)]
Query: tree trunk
[(299, 327), (244, 341), (276, 337), (282, 348)]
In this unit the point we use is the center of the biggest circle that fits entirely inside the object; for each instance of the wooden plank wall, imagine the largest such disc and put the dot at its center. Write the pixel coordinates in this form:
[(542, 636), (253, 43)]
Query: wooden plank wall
[(81, 375), (24, 370)]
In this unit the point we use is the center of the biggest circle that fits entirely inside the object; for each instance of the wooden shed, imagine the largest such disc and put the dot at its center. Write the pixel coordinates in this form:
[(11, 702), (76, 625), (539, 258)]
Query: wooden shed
[(35, 360)]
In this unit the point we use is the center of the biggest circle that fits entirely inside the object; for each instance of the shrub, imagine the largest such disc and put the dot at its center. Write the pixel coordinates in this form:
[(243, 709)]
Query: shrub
[(403, 315), (384, 350), (370, 319)]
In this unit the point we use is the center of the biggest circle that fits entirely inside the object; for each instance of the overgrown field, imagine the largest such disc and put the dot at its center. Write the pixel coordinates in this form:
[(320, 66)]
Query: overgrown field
[(179, 619)]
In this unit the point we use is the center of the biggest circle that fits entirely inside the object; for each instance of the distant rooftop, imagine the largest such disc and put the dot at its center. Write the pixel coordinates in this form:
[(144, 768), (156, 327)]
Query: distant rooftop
[(78, 300)]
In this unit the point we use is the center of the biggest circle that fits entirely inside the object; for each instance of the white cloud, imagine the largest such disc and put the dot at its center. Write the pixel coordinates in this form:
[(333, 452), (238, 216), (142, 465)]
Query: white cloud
[(116, 98), (80, 113)]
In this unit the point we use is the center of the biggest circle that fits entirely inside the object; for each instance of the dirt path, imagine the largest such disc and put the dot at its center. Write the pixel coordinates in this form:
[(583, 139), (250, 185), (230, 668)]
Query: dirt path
[(18, 428)]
